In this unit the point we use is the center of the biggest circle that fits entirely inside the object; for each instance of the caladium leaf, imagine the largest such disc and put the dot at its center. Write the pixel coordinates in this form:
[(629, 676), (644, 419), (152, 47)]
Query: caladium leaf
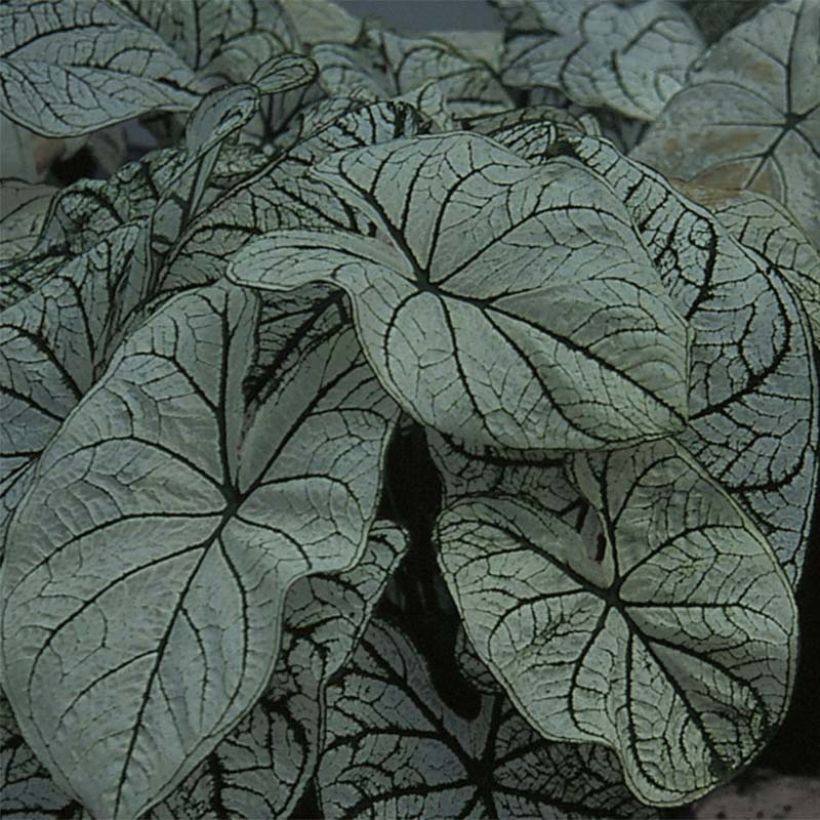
[(322, 21), (54, 344), (671, 637), (261, 768), (23, 211), (460, 347), (749, 116), (470, 86), (26, 788), (764, 225), (211, 512), (631, 58), (395, 749), (218, 39), (281, 194), (108, 68), (753, 419)]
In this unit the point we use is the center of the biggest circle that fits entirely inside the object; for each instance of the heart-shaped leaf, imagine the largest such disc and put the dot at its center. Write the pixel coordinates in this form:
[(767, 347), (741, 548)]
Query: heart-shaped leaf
[(669, 635), (502, 301), (630, 58), (159, 489)]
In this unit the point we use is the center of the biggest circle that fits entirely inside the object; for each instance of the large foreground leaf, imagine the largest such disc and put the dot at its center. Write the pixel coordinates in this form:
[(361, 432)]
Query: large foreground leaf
[(67, 68), (749, 116), (753, 419), (159, 491), (395, 749), (667, 632), (509, 304), (262, 768)]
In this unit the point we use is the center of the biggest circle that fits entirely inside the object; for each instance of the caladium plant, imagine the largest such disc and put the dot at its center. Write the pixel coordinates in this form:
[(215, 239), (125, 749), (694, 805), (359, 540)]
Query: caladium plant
[(426, 427)]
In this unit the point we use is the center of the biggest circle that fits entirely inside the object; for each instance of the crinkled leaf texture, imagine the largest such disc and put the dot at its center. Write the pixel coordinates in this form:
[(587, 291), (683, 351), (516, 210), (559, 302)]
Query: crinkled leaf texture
[(508, 303), (109, 68), (667, 632), (395, 749), (749, 115), (262, 768), (161, 491)]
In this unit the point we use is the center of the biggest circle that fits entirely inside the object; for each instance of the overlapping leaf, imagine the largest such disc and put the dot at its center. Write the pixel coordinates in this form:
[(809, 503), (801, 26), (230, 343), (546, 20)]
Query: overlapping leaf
[(26, 788), (70, 68), (261, 768), (280, 193), (630, 58), (764, 225), (503, 300), (754, 397), (23, 211), (395, 749), (218, 39), (53, 345), (668, 635), (749, 116), (214, 517)]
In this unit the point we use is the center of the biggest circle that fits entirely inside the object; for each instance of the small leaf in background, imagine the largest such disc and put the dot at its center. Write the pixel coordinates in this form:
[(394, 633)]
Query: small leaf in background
[(395, 749), (211, 513), (109, 69), (504, 312), (749, 115), (629, 58), (671, 637)]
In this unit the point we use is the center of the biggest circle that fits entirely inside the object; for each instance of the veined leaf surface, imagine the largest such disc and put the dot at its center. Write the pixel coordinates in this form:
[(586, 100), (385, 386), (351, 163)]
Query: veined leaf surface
[(753, 420), (26, 788), (68, 68), (262, 768), (670, 635), (53, 345), (630, 58), (159, 490), (395, 749), (280, 193), (503, 299), (749, 116)]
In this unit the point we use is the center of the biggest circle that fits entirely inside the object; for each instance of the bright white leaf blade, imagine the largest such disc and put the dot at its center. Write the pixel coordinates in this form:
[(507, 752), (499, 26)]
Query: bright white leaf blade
[(262, 768), (395, 749), (749, 116), (670, 634), (70, 68), (207, 520), (463, 350)]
